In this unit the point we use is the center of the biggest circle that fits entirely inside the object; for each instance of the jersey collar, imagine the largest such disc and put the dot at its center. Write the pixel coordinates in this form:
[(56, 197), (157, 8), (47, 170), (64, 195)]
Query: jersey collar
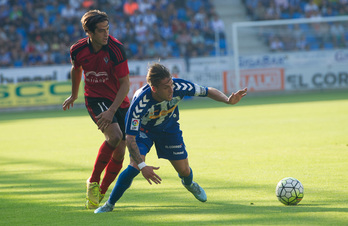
[(104, 48)]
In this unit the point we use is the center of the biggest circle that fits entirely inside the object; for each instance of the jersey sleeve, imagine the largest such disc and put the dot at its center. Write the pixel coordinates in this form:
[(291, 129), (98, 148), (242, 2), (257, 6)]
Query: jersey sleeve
[(187, 88), (73, 58), (75, 49)]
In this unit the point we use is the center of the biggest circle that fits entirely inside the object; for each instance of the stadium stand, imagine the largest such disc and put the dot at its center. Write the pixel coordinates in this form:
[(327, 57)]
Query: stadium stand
[(35, 32), (301, 37)]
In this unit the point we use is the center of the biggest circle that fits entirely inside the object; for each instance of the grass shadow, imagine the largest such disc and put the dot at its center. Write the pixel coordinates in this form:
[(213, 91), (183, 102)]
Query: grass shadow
[(36, 198)]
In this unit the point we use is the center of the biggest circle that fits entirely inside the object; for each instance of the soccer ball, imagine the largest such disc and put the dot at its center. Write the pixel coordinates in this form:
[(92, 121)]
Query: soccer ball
[(289, 191)]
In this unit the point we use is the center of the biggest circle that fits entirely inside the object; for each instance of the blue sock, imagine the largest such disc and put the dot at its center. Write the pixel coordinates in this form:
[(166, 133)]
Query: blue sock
[(124, 181), (187, 180)]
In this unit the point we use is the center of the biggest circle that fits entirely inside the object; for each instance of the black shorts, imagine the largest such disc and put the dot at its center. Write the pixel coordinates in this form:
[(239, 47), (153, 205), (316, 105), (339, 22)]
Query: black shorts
[(96, 105)]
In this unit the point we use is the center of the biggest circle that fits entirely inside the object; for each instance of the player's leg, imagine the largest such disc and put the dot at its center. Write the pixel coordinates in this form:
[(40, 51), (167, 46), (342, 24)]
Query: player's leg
[(112, 169), (124, 182), (171, 146), (115, 164), (186, 175), (125, 179), (113, 136)]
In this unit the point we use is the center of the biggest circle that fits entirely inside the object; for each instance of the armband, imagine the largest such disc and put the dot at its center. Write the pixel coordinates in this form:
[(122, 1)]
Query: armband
[(141, 165)]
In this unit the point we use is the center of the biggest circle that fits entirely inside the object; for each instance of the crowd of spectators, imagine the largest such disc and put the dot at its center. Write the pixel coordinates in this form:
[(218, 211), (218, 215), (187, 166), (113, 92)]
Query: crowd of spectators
[(36, 32), (303, 36)]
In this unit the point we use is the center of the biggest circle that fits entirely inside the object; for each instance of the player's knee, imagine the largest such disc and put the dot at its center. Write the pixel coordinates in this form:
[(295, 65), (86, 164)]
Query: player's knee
[(114, 139)]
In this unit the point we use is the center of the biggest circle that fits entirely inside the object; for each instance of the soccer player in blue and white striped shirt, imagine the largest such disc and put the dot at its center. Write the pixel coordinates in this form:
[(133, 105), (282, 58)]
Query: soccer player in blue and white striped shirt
[(153, 119)]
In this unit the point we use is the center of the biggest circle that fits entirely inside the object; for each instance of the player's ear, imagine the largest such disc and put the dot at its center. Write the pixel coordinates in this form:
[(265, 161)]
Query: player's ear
[(153, 89)]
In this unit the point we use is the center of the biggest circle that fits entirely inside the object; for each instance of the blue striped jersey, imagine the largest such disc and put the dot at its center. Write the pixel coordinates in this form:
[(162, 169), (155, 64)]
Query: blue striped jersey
[(146, 113)]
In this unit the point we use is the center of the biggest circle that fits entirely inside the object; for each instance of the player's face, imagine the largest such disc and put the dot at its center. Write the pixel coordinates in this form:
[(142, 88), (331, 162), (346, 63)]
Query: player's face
[(164, 91), (100, 36)]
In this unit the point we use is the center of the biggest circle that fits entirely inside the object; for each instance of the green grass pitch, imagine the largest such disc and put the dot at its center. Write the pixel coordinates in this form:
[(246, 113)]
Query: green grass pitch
[(237, 153)]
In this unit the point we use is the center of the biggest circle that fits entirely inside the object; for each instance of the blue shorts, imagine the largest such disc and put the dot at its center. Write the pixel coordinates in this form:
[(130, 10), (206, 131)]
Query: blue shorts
[(169, 146)]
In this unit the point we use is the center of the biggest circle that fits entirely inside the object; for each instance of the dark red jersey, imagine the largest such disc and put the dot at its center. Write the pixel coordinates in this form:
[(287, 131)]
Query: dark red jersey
[(102, 69)]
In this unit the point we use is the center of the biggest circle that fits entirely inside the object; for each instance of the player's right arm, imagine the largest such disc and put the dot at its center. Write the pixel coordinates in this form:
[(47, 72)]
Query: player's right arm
[(147, 171), (76, 75)]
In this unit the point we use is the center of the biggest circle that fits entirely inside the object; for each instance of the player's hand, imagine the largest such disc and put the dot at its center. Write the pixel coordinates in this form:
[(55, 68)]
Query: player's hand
[(150, 175), (104, 119), (69, 102), (236, 97)]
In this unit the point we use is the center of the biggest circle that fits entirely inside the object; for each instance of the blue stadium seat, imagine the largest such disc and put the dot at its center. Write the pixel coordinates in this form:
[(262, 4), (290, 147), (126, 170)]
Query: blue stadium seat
[(314, 46), (285, 15), (133, 47), (328, 45), (181, 14), (297, 15), (311, 39), (222, 43)]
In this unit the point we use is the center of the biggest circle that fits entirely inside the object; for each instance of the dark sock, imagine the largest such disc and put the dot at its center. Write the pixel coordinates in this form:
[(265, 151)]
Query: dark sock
[(187, 180)]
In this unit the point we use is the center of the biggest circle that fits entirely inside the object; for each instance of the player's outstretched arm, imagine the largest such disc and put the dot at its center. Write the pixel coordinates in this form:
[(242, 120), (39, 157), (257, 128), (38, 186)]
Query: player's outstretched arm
[(147, 171), (221, 97)]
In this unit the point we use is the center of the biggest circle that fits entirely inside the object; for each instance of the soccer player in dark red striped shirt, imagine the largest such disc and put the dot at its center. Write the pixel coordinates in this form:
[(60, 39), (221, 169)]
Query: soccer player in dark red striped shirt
[(103, 60)]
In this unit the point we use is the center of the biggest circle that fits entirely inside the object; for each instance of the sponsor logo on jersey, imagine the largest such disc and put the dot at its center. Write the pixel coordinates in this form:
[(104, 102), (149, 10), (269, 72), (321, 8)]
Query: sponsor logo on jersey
[(135, 124), (95, 77)]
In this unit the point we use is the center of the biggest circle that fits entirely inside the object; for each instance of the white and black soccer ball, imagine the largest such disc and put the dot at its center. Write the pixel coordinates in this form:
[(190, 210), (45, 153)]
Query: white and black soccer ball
[(289, 191)]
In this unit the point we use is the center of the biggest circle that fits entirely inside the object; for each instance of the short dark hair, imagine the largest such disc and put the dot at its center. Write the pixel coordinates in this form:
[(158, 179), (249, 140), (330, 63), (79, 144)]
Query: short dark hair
[(156, 73), (91, 18)]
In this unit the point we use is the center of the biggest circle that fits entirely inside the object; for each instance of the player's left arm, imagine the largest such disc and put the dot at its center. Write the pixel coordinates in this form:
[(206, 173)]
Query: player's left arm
[(234, 98), (105, 118)]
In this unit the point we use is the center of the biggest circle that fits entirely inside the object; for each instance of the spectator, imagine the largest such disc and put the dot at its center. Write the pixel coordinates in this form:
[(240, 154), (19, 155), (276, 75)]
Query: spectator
[(272, 12), (140, 32), (218, 26), (259, 12), (166, 31), (130, 6), (151, 50), (337, 33), (150, 18), (144, 5), (183, 39), (165, 50), (68, 12), (197, 38), (283, 5), (301, 43), (276, 44), (310, 7)]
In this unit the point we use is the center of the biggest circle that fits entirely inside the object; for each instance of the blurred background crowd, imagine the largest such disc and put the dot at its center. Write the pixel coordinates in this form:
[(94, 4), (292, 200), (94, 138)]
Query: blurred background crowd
[(304, 36), (35, 32)]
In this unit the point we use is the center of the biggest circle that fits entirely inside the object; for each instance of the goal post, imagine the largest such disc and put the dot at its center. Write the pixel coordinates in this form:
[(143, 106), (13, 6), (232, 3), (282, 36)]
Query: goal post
[(322, 36)]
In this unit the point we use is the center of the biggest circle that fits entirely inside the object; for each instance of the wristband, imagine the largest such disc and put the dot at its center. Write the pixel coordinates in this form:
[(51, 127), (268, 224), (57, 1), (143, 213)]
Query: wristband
[(141, 165)]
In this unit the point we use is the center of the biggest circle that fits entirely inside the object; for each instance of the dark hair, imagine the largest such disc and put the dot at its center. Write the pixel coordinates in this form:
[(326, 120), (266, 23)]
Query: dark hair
[(90, 19), (156, 73)]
